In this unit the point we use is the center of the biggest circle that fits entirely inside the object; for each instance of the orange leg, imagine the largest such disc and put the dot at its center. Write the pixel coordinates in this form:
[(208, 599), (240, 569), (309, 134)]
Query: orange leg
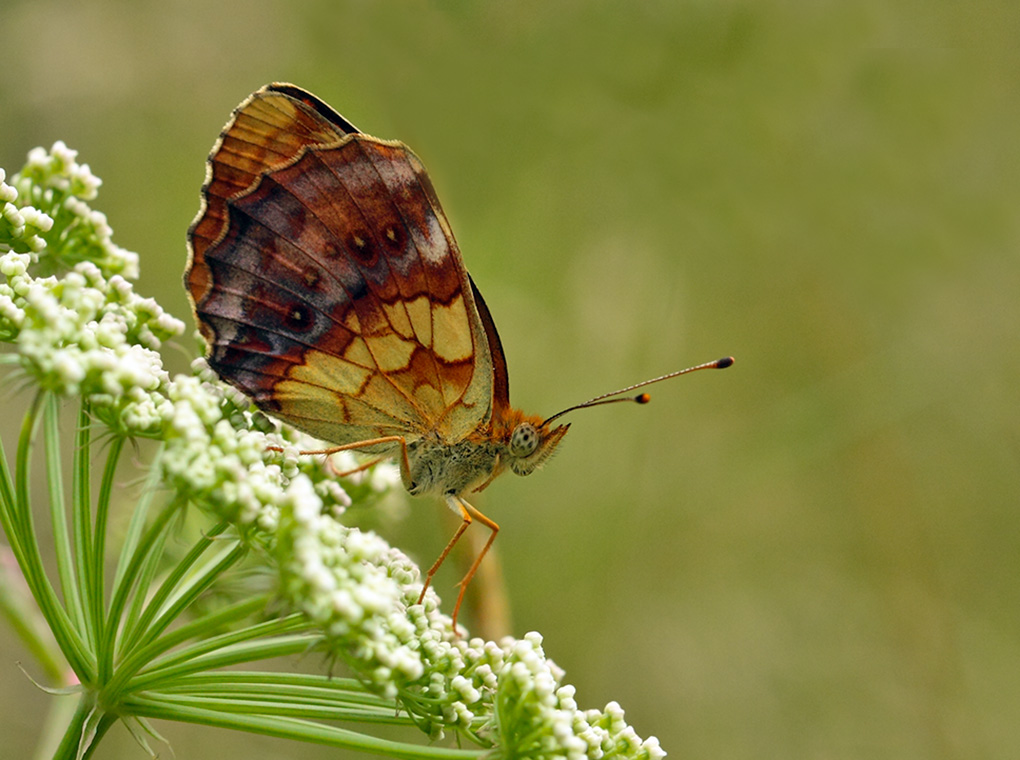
[(467, 512), (491, 525), (405, 465), (446, 551), (355, 470)]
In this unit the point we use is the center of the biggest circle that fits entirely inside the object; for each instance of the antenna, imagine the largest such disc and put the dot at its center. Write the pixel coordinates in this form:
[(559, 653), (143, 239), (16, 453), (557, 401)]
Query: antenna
[(642, 398)]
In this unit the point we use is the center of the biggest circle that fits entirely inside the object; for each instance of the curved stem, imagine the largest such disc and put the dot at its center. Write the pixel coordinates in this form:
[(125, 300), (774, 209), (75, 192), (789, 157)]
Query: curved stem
[(25, 544), (130, 574), (224, 651), (141, 657), (129, 561), (81, 516), (145, 565), (64, 553), (271, 705), (105, 633), (303, 730), (187, 592), (142, 632)]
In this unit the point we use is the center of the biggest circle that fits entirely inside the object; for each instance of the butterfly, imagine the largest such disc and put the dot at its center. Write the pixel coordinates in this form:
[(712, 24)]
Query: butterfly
[(328, 285)]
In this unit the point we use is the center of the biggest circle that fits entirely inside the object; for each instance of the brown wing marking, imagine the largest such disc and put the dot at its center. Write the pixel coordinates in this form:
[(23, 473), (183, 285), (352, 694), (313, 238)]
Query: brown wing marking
[(267, 130), (468, 398), (290, 331), (384, 225), (429, 276)]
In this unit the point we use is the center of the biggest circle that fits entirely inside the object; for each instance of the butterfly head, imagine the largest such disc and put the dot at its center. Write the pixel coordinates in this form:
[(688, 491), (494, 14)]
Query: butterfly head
[(531, 443)]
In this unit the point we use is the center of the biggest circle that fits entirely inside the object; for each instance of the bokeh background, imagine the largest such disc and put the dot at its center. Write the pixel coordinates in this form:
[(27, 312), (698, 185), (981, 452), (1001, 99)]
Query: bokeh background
[(815, 554)]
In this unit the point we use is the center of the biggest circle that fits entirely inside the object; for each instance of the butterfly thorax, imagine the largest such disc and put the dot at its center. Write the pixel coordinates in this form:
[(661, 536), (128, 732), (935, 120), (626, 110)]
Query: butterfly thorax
[(441, 468), (511, 440)]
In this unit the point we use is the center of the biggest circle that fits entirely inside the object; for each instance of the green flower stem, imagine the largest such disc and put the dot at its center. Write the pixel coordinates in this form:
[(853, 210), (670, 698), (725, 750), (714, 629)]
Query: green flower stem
[(27, 552), (58, 514), (202, 626), (87, 727), (135, 660), (144, 631), (81, 490), (128, 562), (291, 728), (7, 516), (227, 653), (107, 633), (265, 705), (298, 694), (24, 543), (10, 604), (252, 684), (271, 631), (190, 589), (346, 700), (245, 679), (135, 569), (146, 558)]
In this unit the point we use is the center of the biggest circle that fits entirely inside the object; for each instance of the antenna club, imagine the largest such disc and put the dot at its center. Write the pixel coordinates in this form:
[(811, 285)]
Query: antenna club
[(643, 398), (724, 362)]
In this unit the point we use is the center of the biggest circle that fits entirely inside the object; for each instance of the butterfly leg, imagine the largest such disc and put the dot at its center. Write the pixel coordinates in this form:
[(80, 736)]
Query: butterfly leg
[(492, 526), (442, 557), (405, 465), (468, 513), (354, 470)]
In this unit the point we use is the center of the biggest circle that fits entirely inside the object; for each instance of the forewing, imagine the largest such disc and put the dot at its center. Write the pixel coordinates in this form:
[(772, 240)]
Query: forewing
[(333, 293)]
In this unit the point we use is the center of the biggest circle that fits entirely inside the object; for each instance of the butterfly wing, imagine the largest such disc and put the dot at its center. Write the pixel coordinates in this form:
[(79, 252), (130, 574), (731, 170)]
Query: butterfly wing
[(330, 287), (500, 376), (267, 130)]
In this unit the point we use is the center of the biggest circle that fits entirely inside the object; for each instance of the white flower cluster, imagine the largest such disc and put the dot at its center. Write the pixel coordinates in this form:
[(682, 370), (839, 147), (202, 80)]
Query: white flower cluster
[(363, 594), (22, 225), (356, 587), (217, 453), (539, 718), (55, 185), (85, 332)]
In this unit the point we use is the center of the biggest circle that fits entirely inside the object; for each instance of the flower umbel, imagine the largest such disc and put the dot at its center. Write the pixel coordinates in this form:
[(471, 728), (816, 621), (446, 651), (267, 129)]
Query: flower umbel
[(156, 640)]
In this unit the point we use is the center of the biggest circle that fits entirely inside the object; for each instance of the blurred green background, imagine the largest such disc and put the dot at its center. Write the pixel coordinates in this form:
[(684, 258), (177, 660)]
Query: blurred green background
[(815, 554)]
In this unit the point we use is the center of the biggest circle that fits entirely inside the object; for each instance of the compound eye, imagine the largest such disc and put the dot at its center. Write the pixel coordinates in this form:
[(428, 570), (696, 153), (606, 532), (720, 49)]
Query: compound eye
[(524, 440)]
